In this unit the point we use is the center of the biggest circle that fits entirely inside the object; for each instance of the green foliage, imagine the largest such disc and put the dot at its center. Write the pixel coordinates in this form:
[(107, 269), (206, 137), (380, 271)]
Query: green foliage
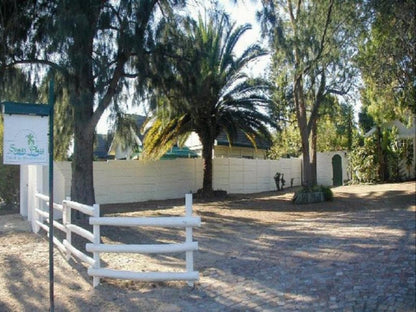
[(328, 195), (9, 184), (312, 42), (362, 162), (336, 129), (386, 59), (63, 131), (97, 47), (126, 129), (381, 157), (286, 143)]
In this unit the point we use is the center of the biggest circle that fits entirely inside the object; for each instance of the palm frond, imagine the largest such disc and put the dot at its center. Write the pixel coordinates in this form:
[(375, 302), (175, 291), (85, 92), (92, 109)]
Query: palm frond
[(163, 135)]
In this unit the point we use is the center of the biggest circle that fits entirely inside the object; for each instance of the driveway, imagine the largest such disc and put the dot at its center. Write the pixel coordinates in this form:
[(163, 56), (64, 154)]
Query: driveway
[(257, 252)]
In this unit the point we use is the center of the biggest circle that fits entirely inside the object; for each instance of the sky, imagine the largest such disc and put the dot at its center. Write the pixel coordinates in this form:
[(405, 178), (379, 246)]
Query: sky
[(244, 11)]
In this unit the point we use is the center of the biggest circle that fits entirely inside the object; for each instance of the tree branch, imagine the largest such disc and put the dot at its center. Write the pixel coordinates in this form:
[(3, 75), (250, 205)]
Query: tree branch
[(111, 91), (39, 61), (317, 102), (323, 38)]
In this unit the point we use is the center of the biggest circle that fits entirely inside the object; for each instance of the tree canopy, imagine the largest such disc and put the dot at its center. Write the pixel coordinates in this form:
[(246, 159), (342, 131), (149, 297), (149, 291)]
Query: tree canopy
[(387, 61), (96, 46)]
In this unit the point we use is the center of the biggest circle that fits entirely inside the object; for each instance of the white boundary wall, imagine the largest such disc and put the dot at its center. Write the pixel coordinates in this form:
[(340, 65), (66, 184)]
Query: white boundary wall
[(124, 181), (324, 167)]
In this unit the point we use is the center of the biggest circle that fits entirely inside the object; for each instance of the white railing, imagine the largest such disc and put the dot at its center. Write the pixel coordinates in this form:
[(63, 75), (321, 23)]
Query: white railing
[(189, 246), (95, 270), (68, 228)]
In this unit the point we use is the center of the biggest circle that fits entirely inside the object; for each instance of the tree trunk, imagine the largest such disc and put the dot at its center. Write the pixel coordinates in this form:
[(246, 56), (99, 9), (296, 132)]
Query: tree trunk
[(304, 133), (314, 135), (82, 185), (380, 155), (207, 146), (306, 165), (82, 100)]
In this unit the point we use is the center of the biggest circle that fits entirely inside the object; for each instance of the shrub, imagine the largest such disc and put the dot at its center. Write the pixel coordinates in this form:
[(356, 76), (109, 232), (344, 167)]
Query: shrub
[(328, 195), (9, 185)]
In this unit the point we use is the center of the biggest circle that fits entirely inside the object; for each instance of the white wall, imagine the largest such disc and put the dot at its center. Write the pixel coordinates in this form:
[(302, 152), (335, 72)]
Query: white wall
[(132, 181), (324, 167), (239, 175)]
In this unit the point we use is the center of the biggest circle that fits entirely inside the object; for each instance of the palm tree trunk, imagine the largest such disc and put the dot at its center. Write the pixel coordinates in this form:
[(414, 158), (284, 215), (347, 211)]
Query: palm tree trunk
[(207, 146)]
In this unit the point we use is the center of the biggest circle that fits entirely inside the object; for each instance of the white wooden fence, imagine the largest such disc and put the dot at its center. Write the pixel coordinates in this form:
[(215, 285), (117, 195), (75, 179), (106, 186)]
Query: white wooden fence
[(95, 270)]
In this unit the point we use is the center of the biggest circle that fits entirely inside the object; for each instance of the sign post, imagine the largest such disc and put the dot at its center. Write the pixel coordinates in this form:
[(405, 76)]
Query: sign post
[(26, 142)]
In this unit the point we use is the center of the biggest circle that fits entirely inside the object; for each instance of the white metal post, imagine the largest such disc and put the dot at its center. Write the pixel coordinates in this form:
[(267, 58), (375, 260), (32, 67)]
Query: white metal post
[(188, 239), (96, 254)]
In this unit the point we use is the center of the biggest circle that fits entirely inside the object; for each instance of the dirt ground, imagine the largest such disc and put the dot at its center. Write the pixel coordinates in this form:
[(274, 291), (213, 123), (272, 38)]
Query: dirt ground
[(234, 231)]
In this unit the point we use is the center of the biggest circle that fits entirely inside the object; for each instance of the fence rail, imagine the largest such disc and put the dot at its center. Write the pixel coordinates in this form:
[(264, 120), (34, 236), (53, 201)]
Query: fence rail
[(95, 247)]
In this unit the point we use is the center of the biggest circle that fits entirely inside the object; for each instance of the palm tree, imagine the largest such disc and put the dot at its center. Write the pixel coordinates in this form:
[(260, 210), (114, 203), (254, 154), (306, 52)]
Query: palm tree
[(202, 87)]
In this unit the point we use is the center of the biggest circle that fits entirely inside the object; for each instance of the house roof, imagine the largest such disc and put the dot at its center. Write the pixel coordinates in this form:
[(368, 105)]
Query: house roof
[(101, 146), (179, 152), (241, 140), (139, 123)]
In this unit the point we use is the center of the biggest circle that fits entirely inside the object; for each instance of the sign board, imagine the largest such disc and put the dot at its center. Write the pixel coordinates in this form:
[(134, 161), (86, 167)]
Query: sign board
[(25, 140)]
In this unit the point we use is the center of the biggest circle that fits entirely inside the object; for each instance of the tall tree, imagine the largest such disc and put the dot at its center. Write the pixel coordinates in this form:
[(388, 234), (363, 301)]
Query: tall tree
[(388, 67), (313, 43), (96, 46), (387, 61), (204, 89)]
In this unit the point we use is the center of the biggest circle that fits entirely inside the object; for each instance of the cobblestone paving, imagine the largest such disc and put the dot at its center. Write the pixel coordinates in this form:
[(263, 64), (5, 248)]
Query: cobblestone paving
[(363, 261), (349, 255), (263, 254)]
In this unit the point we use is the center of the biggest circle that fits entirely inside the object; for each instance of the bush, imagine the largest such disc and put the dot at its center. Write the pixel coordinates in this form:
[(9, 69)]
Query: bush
[(325, 190), (9, 185), (328, 195)]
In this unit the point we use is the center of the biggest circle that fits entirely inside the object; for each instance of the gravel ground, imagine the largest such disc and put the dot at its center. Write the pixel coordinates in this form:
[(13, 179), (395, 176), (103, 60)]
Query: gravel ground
[(257, 252)]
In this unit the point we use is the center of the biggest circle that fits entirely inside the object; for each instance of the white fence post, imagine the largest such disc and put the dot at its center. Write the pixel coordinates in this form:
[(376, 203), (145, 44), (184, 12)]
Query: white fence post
[(188, 237), (66, 218), (97, 236), (35, 215)]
